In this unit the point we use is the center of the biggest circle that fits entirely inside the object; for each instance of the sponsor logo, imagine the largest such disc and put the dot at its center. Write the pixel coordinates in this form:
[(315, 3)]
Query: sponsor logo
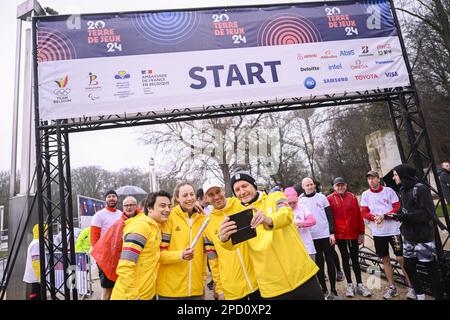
[(365, 52), (369, 76), (310, 83), (346, 53), (62, 91), (335, 80), (150, 80), (328, 54), (391, 74), (177, 228), (122, 75), (92, 80), (312, 68), (335, 66), (302, 56), (93, 87), (358, 65), (93, 96), (384, 49), (384, 62)]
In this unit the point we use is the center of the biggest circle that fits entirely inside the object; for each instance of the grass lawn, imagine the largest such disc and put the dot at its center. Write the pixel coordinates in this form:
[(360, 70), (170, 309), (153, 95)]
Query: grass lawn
[(3, 254), (439, 210)]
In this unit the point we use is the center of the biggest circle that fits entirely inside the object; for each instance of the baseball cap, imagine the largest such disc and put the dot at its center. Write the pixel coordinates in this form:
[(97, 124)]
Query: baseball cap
[(211, 183), (339, 180), (373, 174)]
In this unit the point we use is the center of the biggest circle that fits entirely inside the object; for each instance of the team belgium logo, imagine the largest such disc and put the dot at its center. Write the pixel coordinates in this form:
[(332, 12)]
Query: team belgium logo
[(62, 89)]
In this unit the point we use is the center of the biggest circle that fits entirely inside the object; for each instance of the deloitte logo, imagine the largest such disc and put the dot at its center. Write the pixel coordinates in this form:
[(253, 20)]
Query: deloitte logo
[(310, 83)]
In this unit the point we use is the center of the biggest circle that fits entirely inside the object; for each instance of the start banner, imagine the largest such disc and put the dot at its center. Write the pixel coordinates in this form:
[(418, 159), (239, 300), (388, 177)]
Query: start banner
[(125, 63)]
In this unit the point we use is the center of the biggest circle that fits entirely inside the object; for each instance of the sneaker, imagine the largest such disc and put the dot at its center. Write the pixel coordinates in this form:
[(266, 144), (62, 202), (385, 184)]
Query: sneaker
[(390, 293), (325, 294), (411, 294), (350, 292), (339, 276), (363, 290), (333, 296)]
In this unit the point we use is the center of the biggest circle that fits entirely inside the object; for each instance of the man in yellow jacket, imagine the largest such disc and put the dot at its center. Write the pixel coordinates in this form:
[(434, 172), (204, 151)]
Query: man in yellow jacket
[(232, 271), (138, 262), (283, 268)]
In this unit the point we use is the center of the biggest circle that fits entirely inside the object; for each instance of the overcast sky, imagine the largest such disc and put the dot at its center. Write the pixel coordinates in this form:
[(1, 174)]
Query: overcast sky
[(92, 148)]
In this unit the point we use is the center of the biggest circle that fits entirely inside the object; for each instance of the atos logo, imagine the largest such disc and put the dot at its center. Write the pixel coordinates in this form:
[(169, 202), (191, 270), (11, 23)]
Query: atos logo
[(310, 83), (391, 74), (346, 53)]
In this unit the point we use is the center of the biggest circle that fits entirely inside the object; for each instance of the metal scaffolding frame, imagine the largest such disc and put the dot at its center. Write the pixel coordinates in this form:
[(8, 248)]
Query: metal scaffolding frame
[(53, 165)]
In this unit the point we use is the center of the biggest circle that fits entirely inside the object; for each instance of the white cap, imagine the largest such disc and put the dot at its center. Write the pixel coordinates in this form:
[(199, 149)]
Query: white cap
[(211, 183)]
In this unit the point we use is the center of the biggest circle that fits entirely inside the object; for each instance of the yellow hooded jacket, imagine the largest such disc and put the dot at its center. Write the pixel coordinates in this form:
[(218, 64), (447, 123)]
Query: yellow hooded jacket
[(178, 277), (236, 275), (138, 262), (279, 257)]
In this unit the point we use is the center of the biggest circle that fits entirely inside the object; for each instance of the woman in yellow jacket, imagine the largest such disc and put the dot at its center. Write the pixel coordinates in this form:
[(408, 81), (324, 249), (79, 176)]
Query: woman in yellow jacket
[(182, 269), (236, 280), (138, 262), (283, 268)]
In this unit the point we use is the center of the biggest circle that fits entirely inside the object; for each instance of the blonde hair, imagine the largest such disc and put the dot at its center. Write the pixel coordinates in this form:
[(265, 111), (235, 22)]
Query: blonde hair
[(176, 191)]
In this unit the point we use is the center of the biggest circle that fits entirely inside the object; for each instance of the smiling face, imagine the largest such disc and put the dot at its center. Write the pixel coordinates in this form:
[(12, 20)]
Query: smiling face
[(161, 209), (111, 200), (186, 197), (216, 196), (244, 191), (340, 188)]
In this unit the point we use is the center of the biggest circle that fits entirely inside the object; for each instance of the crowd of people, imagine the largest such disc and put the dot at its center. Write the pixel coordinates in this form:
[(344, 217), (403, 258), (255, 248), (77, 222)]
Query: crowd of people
[(163, 247)]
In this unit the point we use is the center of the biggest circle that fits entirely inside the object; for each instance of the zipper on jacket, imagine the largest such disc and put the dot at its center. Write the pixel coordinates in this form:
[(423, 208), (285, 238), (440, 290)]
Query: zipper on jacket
[(245, 271), (190, 261)]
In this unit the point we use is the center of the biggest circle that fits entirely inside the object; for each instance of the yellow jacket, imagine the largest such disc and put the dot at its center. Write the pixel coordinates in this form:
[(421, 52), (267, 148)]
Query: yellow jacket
[(279, 257), (236, 275), (178, 277), (139, 259)]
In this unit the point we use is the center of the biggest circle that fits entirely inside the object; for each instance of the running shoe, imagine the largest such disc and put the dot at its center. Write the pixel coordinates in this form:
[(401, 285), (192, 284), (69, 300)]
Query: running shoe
[(350, 292), (390, 293), (363, 290), (411, 294)]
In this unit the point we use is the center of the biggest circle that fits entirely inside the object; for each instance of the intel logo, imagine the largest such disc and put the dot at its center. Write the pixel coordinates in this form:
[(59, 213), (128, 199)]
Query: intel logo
[(310, 83)]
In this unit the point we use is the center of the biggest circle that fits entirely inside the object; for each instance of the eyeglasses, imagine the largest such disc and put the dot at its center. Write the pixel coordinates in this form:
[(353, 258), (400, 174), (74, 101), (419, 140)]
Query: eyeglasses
[(129, 205)]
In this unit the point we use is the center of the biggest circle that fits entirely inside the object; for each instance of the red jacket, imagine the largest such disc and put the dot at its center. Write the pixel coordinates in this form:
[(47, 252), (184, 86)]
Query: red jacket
[(348, 221)]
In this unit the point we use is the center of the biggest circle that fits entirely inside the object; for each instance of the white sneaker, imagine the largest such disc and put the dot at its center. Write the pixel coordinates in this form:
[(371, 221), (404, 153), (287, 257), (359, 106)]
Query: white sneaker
[(390, 293), (363, 290), (411, 294), (350, 292)]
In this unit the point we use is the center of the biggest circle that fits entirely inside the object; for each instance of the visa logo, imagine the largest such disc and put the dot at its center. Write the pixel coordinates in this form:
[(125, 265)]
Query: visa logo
[(391, 74)]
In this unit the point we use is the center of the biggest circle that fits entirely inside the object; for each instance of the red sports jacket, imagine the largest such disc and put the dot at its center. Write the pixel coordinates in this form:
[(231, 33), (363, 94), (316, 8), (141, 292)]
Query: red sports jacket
[(348, 220)]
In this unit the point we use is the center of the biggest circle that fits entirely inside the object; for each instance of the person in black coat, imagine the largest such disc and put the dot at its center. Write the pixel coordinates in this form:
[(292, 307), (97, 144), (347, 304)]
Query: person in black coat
[(418, 231), (444, 177)]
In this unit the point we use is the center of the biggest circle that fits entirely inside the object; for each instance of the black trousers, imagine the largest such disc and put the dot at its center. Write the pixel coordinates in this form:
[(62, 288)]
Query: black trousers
[(324, 248), (310, 290), (349, 249)]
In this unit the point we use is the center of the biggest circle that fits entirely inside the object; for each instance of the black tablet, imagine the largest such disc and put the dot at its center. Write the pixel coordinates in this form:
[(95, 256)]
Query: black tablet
[(244, 231)]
